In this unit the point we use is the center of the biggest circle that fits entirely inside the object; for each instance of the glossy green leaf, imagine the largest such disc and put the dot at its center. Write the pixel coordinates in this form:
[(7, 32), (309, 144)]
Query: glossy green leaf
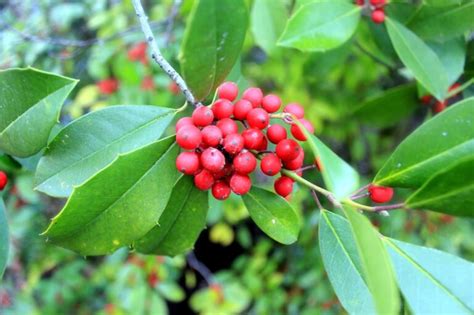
[(449, 191), (212, 43), (181, 222), (4, 238), (419, 58), (273, 215), (432, 282), (268, 22), (30, 104), (321, 25), (119, 204), (376, 263), (91, 142), (389, 107), (452, 55), (342, 263), (437, 144)]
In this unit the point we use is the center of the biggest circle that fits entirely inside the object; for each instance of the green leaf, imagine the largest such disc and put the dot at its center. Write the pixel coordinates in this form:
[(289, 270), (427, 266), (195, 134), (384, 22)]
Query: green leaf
[(273, 215), (30, 103), (419, 58), (181, 222), (452, 55), (432, 282), (212, 42), (343, 265), (437, 144), (119, 204), (443, 23), (4, 238), (448, 191), (320, 26), (389, 107), (91, 142), (376, 263), (268, 22)]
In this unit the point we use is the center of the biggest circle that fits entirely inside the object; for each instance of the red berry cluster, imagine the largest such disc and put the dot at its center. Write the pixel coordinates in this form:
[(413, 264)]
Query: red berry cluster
[(438, 106), (223, 140), (3, 180), (377, 9)]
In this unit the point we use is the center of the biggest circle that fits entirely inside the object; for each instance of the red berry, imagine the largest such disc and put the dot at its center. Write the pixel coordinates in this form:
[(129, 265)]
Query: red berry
[(276, 133), (202, 116), (288, 149), (147, 84), (380, 194), (241, 109), (173, 88), (253, 95), (295, 109), (228, 90), (137, 52), (377, 3), (439, 106), (240, 184), (298, 133), (204, 180), (211, 135), (227, 126), (453, 87), (245, 162), (233, 143), (108, 86), (188, 137), (295, 163), (426, 99), (222, 109), (183, 122), (270, 164), (252, 138), (378, 16), (212, 160), (360, 2), (271, 103), (220, 190), (258, 118), (187, 163), (3, 180), (283, 186), (263, 144)]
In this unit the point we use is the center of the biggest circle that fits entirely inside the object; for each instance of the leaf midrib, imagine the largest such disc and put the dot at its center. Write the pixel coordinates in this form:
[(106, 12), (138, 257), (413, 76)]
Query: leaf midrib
[(442, 14), (453, 192)]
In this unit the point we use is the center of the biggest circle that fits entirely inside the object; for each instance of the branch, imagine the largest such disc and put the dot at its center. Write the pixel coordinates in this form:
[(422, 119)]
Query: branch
[(202, 269), (170, 22), (158, 57)]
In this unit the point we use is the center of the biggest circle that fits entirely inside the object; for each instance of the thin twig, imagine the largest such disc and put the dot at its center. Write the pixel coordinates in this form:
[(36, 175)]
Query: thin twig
[(316, 199), (355, 197), (389, 207), (305, 168), (202, 269), (158, 57), (374, 57), (170, 21)]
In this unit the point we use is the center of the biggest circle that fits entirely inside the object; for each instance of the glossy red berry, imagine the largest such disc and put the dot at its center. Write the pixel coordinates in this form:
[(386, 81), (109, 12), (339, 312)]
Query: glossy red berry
[(202, 116), (241, 109), (258, 118), (252, 138), (276, 133), (270, 164), (183, 122), (263, 145), (222, 108), (187, 163), (3, 180), (380, 194), (294, 108), (377, 2), (221, 190), (189, 137), (240, 184), (271, 103), (211, 135), (298, 133), (228, 90), (439, 106), (288, 149), (283, 186), (233, 143), (295, 163), (378, 16), (137, 52), (227, 126), (245, 162), (204, 180), (108, 86), (212, 160), (253, 95)]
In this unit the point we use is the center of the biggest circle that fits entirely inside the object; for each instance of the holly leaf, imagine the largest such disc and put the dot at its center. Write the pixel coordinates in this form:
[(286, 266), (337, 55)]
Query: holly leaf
[(4, 238), (268, 22), (452, 55)]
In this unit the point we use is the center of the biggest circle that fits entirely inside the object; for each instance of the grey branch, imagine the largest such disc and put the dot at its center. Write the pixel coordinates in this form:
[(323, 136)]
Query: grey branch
[(200, 268), (158, 57)]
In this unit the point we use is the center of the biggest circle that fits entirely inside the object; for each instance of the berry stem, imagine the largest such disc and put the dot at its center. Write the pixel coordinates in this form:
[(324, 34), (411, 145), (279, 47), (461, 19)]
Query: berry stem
[(305, 168), (316, 199), (307, 183), (355, 197), (460, 88), (202, 269)]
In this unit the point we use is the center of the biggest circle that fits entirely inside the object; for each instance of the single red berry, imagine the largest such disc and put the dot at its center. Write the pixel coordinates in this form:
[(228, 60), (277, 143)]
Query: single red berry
[(202, 116), (378, 16), (263, 144), (137, 52), (439, 106), (108, 86), (295, 109), (173, 88), (212, 160), (360, 2), (253, 95), (298, 133), (453, 87), (147, 84), (211, 135), (183, 122), (188, 137), (245, 162), (3, 180), (380, 194), (241, 109), (233, 143), (220, 190), (227, 126), (252, 138), (271, 103), (228, 90), (270, 164), (187, 163), (276, 133), (426, 99), (204, 180), (295, 163), (377, 3), (222, 108), (258, 118), (240, 184), (283, 186), (288, 149)]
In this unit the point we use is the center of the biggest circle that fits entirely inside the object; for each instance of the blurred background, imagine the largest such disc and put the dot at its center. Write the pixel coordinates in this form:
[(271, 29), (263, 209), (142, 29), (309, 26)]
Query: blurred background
[(234, 267)]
